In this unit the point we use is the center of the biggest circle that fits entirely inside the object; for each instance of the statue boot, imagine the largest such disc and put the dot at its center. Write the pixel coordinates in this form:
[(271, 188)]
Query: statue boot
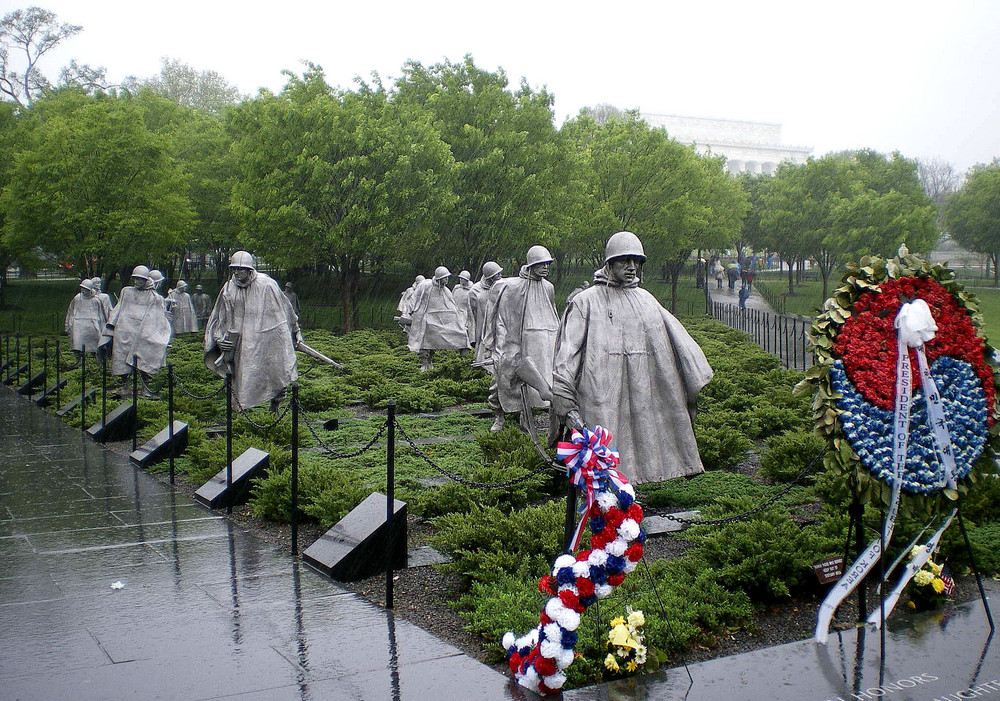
[(499, 421)]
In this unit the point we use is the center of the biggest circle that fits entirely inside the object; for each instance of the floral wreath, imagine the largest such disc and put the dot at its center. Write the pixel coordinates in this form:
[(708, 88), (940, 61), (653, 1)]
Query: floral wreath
[(538, 659), (855, 374)]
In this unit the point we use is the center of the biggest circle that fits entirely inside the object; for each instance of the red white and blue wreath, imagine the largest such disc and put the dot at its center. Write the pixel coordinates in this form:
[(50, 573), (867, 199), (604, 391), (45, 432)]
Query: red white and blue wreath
[(538, 659), (905, 392)]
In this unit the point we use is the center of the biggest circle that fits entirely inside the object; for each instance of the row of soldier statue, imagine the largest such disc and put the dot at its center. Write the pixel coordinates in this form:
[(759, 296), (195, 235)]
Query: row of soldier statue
[(615, 358), (251, 331)]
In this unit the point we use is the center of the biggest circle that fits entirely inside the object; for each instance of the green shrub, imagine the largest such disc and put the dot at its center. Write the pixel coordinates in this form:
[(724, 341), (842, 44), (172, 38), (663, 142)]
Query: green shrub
[(789, 453), (698, 491), (721, 447), (487, 540), (765, 555)]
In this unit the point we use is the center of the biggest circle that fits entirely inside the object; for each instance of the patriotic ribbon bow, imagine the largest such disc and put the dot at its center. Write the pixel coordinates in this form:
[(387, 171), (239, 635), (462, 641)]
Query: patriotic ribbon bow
[(592, 464)]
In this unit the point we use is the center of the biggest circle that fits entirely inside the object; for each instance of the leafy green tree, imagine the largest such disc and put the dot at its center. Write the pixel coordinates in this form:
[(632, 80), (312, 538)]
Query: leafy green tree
[(972, 214), (510, 165), (93, 186), (847, 205), (10, 133), (640, 180), (338, 179), (200, 143)]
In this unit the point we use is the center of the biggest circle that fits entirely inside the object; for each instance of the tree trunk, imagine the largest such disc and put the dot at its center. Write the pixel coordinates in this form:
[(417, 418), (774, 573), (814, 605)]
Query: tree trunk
[(996, 269)]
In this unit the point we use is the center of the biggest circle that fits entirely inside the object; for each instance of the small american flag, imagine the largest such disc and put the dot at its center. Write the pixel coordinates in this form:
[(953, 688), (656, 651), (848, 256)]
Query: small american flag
[(949, 585)]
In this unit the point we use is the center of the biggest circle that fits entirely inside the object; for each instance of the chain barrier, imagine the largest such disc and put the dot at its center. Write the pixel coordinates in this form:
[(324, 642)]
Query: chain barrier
[(746, 514), (261, 427), (335, 454), (153, 395), (462, 480), (180, 385)]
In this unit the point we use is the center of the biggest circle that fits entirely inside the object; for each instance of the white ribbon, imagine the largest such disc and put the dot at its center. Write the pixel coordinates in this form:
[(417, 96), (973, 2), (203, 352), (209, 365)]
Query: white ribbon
[(914, 327), (912, 567)]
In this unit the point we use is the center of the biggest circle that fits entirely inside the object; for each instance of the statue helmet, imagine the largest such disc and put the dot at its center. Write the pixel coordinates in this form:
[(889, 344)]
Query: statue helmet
[(197, 288), (181, 285), (419, 279), (490, 269), (156, 276), (465, 275), (288, 285), (141, 271), (87, 285), (97, 282), (242, 259), (624, 243), (441, 272), (536, 255)]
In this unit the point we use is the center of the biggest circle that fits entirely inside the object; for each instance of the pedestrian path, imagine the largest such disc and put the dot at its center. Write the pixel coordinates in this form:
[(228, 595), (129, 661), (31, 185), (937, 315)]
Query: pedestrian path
[(113, 586)]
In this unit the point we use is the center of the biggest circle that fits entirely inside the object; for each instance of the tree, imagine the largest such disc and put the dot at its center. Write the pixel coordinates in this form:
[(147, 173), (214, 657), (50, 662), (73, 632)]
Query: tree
[(206, 91), (938, 179), (972, 214), (510, 165), (92, 186), (10, 135), (338, 178), (784, 216), (26, 36), (640, 180), (847, 205)]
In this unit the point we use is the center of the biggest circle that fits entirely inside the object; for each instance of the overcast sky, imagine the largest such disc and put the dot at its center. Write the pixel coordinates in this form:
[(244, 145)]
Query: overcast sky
[(917, 77)]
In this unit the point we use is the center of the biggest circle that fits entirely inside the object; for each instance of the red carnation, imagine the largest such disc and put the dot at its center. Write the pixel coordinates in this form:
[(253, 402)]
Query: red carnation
[(571, 601), (545, 666), (585, 587), (635, 512), (616, 579), (583, 555), (634, 551), (545, 585)]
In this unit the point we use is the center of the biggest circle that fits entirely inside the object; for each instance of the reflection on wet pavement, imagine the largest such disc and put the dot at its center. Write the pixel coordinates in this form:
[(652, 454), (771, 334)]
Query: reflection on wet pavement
[(205, 610)]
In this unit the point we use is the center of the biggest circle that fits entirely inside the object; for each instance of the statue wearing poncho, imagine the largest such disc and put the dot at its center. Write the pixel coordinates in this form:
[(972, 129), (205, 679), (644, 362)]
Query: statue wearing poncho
[(624, 362), (461, 293), (139, 326), (435, 318), (182, 311), (85, 319), (525, 338), (255, 316)]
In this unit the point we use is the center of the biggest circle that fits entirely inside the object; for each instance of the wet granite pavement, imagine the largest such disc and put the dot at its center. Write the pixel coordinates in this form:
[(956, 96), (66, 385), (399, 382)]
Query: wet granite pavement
[(207, 611)]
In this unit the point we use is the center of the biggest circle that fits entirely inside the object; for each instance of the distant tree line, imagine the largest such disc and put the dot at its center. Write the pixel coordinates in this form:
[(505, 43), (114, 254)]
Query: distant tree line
[(449, 163)]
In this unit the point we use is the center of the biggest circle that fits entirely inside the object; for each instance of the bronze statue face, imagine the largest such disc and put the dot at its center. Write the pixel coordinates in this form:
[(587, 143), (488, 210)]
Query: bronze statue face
[(540, 270), (625, 269), (242, 275)]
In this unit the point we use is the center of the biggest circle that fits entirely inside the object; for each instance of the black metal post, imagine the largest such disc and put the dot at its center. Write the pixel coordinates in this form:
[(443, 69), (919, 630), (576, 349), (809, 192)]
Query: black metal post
[(170, 416), (58, 359), (17, 357), (975, 570), (390, 493), (29, 359), (295, 469), (229, 436), (45, 363), (135, 401), (104, 395), (83, 391)]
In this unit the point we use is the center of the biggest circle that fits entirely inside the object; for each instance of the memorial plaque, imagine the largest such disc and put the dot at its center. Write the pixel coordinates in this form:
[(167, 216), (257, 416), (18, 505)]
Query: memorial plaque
[(829, 570)]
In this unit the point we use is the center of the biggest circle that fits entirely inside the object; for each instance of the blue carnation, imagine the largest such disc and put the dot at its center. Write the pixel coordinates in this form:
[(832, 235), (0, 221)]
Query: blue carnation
[(565, 575), (569, 637), (869, 429)]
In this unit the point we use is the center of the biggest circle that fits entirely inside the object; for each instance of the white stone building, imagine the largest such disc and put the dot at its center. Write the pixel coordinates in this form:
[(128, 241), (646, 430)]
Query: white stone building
[(749, 147)]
